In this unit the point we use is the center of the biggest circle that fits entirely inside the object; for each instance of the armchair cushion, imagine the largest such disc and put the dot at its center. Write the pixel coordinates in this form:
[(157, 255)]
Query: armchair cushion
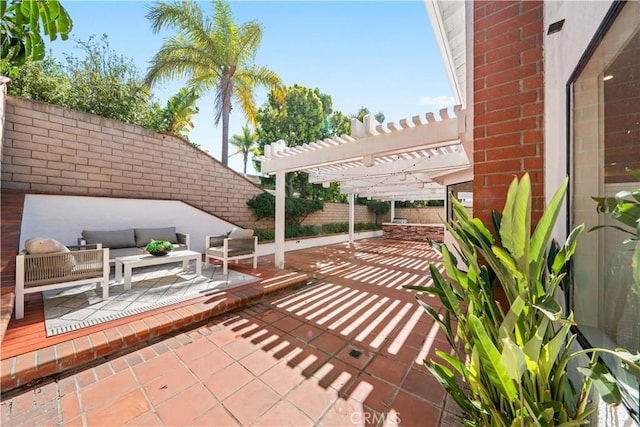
[(146, 235), (240, 233), (111, 239), (41, 245)]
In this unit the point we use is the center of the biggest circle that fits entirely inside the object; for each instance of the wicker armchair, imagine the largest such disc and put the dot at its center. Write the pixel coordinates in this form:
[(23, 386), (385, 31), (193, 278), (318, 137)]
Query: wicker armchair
[(228, 248), (42, 272)]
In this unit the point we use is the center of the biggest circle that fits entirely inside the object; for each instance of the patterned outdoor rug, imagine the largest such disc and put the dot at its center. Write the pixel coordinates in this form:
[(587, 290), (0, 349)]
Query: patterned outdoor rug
[(78, 307)]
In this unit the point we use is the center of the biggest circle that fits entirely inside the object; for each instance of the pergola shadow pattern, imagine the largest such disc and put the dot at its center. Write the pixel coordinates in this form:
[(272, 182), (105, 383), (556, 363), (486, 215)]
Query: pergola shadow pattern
[(346, 349)]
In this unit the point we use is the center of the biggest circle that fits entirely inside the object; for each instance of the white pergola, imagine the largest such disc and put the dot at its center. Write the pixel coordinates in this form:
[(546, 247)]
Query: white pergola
[(410, 160)]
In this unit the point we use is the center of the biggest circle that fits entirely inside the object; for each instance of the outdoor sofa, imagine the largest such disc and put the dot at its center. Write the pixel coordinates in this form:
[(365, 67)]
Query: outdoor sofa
[(133, 241)]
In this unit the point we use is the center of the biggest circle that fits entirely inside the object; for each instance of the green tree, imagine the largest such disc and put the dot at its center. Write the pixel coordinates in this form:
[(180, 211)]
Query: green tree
[(214, 53), (43, 80), (245, 144), (101, 83), (177, 115), (20, 37), (296, 115), (109, 85), (363, 111)]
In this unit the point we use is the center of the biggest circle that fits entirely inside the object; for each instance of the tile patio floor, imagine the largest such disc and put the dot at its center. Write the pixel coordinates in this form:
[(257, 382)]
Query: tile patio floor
[(344, 350)]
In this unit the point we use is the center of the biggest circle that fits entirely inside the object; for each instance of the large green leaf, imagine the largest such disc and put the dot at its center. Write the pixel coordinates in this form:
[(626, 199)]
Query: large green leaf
[(604, 382), (542, 233), (510, 319), (513, 359), (522, 223), (551, 350), (490, 358), (446, 378), (506, 225), (549, 307), (534, 345)]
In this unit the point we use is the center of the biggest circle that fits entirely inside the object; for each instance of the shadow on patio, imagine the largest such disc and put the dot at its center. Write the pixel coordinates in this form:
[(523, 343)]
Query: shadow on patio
[(346, 349)]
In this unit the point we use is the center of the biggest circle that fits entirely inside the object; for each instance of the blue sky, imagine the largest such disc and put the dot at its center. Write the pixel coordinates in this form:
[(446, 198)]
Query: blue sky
[(381, 55)]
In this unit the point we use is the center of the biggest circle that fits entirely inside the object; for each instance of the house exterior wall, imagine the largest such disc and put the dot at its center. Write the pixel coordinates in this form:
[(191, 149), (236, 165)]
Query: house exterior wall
[(508, 102), (54, 150)]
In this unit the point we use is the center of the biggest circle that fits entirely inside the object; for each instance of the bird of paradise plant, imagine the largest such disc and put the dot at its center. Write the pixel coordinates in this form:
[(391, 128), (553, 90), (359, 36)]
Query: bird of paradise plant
[(510, 367)]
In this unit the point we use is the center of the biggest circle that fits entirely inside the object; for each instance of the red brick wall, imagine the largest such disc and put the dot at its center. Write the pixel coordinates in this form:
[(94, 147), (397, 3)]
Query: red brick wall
[(508, 102)]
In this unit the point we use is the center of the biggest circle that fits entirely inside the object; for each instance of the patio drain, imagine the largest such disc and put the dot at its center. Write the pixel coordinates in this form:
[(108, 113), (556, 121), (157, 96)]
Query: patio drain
[(355, 353)]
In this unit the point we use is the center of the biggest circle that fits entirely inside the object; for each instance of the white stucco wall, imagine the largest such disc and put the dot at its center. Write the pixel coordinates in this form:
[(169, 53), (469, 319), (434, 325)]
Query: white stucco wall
[(562, 51), (64, 217)]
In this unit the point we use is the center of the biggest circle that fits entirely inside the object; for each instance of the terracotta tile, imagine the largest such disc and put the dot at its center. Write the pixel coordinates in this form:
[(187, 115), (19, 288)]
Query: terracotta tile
[(160, 347), (282, 378), (70, 406), (120, 411), (211, 363), (119, 364), (422, 384), (46, 357), (102, 393), (270, 316), (336, 374), (102, 371), (258, 362), (284, 414), (168, 384), (100, 343), (46, 393), (67, 385), (312, 398), (227, 381), (387, 369), (85, 378), (156, 367), (412, 411), (82, 346), (216, 417), (357, 360), (23, 403), (223, 337), (133, 359), (196, 349), (147, 419), (344, 413), (147, 353), (287, 323), (329, 343), (372, 392), (186, 406), (306, 332), (250, 402), (25, 364), (240, 348)]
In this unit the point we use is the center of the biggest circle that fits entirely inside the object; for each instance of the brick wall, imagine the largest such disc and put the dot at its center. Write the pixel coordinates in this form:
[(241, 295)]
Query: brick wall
[(425, 215), (50, 149), (339, 212), (508, 102)]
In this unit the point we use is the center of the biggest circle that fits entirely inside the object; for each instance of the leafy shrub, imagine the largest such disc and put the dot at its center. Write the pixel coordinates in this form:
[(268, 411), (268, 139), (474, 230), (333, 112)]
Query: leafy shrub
[(296, 210)]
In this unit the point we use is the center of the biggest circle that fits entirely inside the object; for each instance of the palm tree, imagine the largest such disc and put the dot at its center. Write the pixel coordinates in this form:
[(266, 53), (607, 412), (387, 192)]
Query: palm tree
[(214, 53), (246, 144), (179, 111)]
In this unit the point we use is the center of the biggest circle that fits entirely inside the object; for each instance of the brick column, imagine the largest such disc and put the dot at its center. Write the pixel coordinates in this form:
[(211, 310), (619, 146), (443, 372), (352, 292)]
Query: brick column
[(508, 89)]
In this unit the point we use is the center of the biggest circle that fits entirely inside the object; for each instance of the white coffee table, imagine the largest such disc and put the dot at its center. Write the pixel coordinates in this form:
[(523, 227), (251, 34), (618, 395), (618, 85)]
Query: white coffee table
[(128, 263)]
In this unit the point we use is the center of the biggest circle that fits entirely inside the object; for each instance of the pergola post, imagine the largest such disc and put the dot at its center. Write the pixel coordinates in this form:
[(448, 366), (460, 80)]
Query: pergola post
[(351, 216), (393, 210), (280, 217)]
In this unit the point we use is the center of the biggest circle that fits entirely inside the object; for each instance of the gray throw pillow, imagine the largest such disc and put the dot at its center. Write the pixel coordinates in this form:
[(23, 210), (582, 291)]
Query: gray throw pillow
[(110, 238), (145, 235)]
